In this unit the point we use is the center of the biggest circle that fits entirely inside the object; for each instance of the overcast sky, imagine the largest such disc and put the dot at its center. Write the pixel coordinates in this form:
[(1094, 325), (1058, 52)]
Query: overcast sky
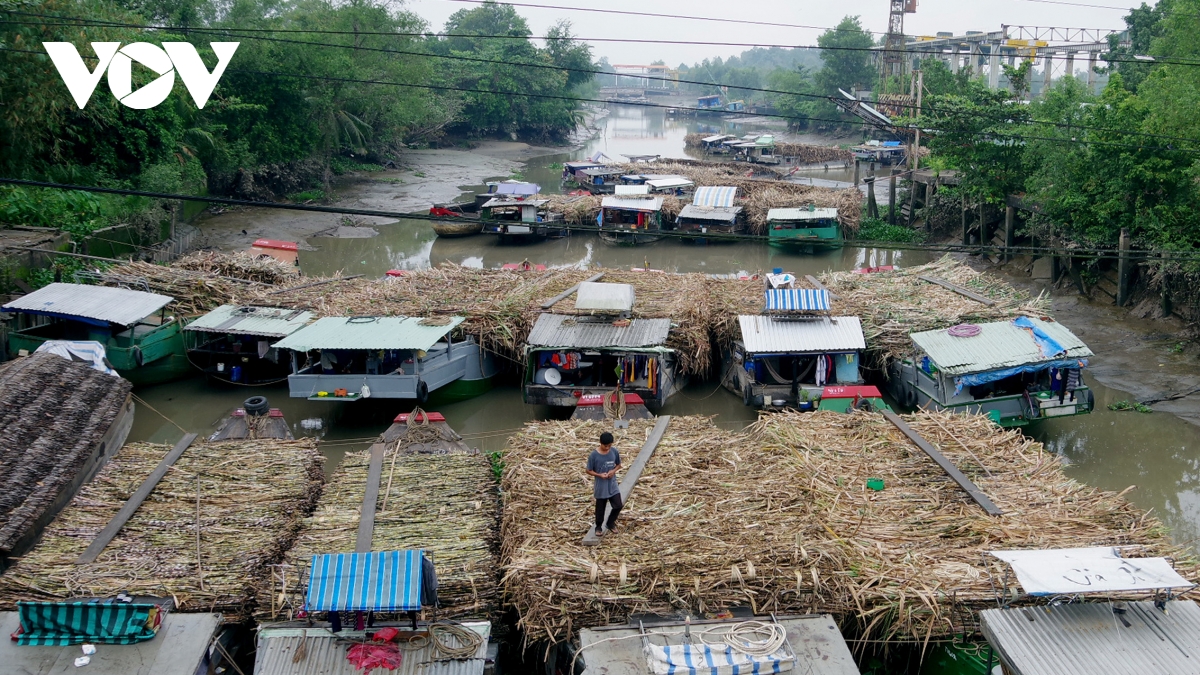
[(932, 16)]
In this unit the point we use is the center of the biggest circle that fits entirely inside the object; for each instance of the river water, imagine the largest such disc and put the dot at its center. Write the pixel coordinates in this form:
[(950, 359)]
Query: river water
[(1158, 452)]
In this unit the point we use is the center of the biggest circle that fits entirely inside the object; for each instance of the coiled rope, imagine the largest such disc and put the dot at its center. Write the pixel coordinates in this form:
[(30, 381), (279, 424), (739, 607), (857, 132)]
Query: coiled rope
[(614, 404), (752, 638), (463, 645)]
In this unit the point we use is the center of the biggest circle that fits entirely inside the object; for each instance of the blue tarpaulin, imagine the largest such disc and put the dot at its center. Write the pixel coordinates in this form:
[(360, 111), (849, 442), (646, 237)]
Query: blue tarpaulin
[(797, 300), (383, 581), (976, 379), (1046, 344)]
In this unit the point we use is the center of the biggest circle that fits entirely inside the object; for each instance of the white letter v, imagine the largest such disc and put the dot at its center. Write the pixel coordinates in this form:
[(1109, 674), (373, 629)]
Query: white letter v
[(80, 82), (199, 82)]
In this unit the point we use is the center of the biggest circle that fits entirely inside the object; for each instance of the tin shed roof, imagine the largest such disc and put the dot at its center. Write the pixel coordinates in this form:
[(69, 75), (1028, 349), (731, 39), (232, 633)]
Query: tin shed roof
[(632, 203), (577, 332), (721, 214), (800, 214), (623, 190), (1089, 638), (769, 335), (242, 320), (714, 195), (99, 303), (669, 182), (517, 188), (325, 653), (1000, 344), (369, 332)]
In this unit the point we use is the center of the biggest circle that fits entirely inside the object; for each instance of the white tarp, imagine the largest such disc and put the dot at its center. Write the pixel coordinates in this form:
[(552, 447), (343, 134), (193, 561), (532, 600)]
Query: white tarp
[(694, 659), (1088, 570), (88, 351)]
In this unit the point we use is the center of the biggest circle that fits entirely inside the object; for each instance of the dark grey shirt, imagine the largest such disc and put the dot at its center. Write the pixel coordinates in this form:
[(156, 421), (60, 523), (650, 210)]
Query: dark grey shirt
[(603, 463)]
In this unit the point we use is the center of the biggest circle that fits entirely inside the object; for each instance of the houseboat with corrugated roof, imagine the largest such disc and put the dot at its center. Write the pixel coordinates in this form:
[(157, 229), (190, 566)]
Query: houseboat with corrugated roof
[(232, 343), (571, 356), (521, 219), (142, 341), (352, 358), (631, 217), (1016, 372), (807, 230), (713, 211)]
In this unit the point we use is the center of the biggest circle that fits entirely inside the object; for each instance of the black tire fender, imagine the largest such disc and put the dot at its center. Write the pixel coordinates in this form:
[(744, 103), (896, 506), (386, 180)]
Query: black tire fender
[(256, 405), (1091, 400), (422, 391), (138, 357), (746, 397)]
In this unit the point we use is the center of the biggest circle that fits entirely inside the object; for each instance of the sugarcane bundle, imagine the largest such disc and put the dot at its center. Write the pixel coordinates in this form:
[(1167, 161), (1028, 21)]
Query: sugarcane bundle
[(780, 519), (446, 504), (211, 528), (54, 413), (240, 265)]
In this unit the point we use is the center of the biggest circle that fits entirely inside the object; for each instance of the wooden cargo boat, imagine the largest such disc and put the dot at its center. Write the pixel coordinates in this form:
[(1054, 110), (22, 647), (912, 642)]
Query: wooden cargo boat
[(141, 340), (1012, 371), (806, 229), (458, 222), (255, 419)]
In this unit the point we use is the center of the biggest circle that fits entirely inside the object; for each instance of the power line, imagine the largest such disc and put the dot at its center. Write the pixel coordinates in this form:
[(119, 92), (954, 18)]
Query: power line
[(1096, 253), (590, 71)]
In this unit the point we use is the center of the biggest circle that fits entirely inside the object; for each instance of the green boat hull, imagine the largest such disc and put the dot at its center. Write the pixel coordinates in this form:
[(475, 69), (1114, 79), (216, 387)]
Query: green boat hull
[(808, 239), (957, 658), (161, 352), (460, 390)]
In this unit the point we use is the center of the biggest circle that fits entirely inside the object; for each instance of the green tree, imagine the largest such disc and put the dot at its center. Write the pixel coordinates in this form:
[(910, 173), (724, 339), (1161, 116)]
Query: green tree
[(847, 63)]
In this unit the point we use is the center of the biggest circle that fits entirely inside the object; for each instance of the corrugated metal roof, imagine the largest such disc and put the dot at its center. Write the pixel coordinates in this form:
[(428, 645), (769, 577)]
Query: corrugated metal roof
[(1090, 638), (998, 345), (623, 190), (715, 195), (242, 320), (800, 214), (819, 646), (324, 656), (770, 335), (102, 303), (595, 296), (723, 214), (714, 139), (503, 201), (602, 171), (671, 182), (632, 204), (517, 188), (559, 330), (377, 332)]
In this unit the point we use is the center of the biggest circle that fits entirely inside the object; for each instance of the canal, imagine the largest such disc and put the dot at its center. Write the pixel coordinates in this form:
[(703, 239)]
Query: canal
[(1157, 452)]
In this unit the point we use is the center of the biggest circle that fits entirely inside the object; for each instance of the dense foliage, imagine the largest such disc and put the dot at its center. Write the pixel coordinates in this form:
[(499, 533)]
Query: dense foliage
[(291, 106)]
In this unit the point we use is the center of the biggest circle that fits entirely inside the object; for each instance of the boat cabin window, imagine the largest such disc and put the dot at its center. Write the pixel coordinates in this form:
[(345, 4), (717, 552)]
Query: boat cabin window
[(801, 224)]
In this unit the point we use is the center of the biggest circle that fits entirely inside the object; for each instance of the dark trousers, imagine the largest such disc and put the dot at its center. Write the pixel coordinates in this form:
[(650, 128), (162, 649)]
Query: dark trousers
[(615, 501)]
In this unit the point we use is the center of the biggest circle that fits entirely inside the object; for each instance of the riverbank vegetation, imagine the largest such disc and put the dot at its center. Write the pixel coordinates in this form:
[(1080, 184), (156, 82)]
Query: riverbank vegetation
[(293, 108)]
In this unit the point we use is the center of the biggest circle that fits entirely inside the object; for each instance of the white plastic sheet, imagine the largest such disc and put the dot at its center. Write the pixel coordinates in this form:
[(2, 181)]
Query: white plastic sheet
[(1088, 570), (79, 350)]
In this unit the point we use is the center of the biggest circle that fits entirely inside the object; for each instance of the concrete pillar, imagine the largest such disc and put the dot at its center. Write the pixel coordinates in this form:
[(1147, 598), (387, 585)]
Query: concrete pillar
[(1092, 72), (1070, 70), (1124, 269), (857, 164), (955, 60), (994, 67), (1048, 76), (976, 58), (1010, 221)]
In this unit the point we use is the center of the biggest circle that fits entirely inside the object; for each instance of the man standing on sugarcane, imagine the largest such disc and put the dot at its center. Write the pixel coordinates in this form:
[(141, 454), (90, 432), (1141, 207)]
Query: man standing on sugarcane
[(603, 464)]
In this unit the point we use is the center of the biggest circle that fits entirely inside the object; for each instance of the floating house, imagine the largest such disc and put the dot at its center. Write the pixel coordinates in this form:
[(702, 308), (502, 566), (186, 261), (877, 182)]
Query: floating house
[(141, 340), (506, 188), (708, 103), (232, 343), (670, 185), (521, 218), (713, 211), (631, 217), (759, 150), (880, 152), (804, 229), (784, 361), (570, 169), (715, 144), (62, 420), (571, 356), (1016, 372), (806, 645), (601, 180), (351, 358), (147, 640)]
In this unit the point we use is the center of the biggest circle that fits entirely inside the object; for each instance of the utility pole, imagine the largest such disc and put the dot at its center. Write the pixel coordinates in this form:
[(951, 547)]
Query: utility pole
[(916, 157)]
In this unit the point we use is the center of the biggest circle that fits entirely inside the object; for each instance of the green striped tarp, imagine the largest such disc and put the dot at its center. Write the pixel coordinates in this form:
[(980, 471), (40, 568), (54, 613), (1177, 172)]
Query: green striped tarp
[(73, 623)]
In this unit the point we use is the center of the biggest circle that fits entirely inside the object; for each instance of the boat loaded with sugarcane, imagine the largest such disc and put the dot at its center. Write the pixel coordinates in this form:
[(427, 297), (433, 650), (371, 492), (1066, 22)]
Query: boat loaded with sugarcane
[(1019, 371), (142, 341), (808, 229)]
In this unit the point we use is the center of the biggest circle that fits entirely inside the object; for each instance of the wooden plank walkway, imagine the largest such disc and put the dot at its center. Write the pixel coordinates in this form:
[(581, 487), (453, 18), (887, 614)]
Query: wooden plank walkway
[(553, 301), (366, 520), (947, 466), (634, 473), (958, 289), (820, 286), (135, 500)]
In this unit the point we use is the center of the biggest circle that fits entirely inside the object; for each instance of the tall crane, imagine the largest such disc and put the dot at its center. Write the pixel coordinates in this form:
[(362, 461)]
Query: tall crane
[(892, 63)]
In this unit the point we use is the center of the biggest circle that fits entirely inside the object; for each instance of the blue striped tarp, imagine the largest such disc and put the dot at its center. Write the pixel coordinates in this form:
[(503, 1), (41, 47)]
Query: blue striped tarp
[(701, 659), (797, 300), (382, 581), (73, 623), (714, 196)]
